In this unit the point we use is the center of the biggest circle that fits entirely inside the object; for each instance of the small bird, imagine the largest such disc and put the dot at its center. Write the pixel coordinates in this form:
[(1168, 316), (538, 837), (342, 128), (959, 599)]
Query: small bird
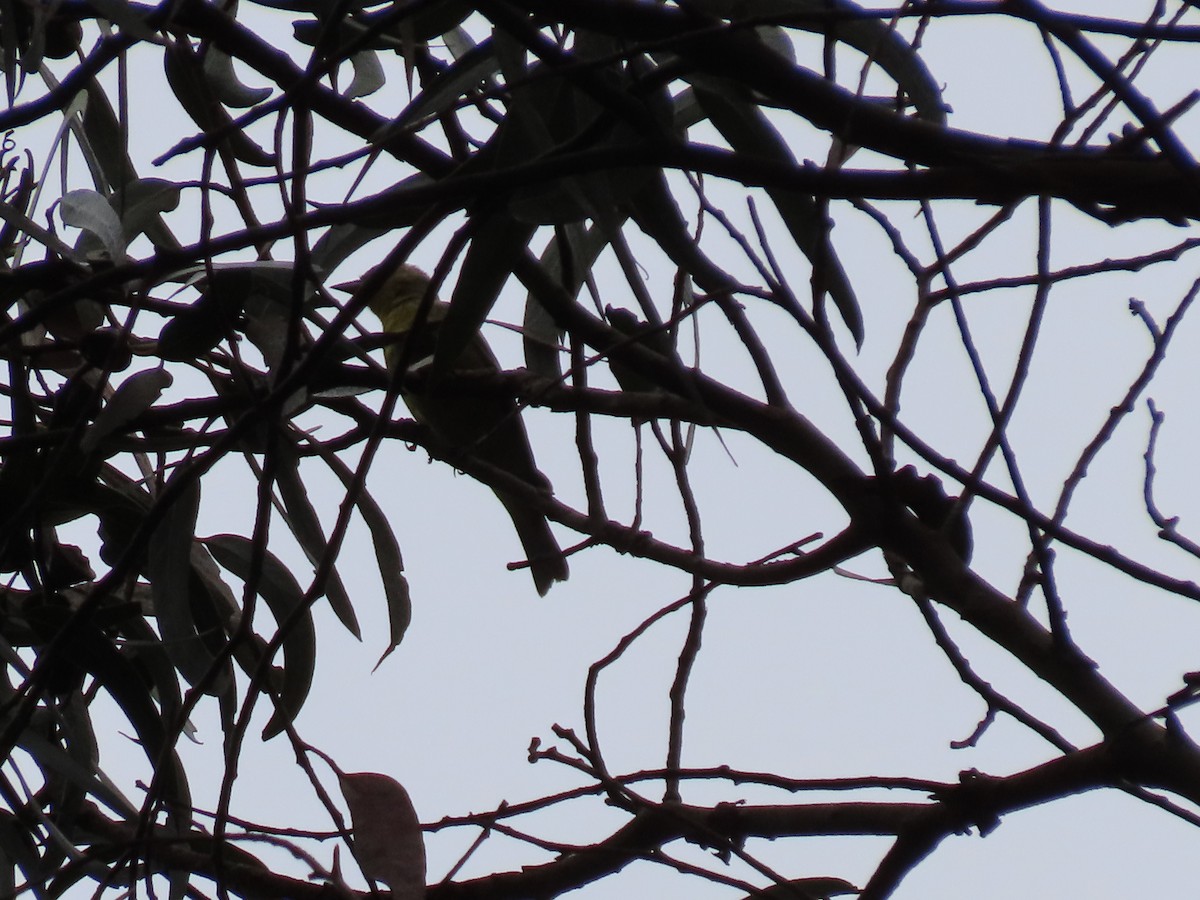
[(486, 428)]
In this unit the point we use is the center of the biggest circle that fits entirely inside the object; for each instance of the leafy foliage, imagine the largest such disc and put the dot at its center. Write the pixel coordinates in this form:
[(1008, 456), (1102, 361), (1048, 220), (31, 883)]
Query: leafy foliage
[(160, 329)]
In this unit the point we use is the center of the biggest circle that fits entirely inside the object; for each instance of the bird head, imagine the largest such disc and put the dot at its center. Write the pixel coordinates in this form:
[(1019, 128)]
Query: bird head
[(397, 300)]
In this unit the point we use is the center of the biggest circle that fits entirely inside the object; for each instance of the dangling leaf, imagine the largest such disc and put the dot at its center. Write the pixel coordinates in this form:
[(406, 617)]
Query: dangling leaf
[(136, 394), (169, 565), (497, 241), (306, 529), (388, 843), (287, 602), (90, 211)]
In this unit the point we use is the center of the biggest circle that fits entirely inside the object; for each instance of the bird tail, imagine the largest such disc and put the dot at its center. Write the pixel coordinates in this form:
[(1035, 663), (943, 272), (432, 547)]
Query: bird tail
[(547, 562)]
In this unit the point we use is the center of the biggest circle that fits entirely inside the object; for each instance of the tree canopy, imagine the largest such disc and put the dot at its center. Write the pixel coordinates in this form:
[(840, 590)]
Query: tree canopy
[(853, 341)]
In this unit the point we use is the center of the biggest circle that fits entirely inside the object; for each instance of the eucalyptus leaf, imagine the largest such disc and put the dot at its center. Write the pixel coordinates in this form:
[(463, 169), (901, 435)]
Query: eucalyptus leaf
[(306, 528), (289, 606), (134, 396), (569, 265), (369, 75), (185, 77), (226, 86), (387, 556), (91, 212), (497, 241), (749, 132), (170, 572)]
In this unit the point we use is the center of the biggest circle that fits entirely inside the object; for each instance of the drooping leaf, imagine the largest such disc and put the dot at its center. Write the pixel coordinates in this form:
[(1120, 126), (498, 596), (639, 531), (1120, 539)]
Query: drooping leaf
[(197, 329), (91, 212), (368, 77), (136, 394), (874, 37), (446, 90), (657, 213), (306, 528), (87, 647), (387, 555), (52, 757), (569, 264), (336, 245), (388, 843), (17, 850), (227, 88), (286, 600), (497, 241), (170, 571), (140, 204), (550, 113), (184, 75), (144, 650)]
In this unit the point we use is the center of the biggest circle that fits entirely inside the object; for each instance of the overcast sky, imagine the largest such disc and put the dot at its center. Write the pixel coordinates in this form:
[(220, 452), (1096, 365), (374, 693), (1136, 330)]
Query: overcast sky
[(823, 678)]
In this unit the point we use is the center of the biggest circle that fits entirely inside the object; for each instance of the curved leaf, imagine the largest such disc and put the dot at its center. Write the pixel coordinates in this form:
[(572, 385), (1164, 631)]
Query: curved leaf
[(388, 843), (748, 131), (387, 555), (17, 849), (497, 240), (368, 77), (446, 90), (136, 394), (227, 88), (90, 211), (185, 78), (169, 568), (52, 757), (141, 203), (875, 38), (549, 112), (305, 526), (293, 615), (540, 333)]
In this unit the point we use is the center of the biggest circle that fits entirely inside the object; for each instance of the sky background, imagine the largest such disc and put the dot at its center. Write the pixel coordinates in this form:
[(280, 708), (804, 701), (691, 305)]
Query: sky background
[(827, 677)]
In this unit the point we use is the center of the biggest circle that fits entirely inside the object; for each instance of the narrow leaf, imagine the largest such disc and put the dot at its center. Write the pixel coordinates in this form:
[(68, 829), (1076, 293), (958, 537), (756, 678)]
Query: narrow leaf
[(170, 572), (286, 600), (306, 528), (497, 241)]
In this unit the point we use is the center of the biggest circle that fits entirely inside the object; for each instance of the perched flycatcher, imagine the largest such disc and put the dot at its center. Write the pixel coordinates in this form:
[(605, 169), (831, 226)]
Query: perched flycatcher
[(486, 428)]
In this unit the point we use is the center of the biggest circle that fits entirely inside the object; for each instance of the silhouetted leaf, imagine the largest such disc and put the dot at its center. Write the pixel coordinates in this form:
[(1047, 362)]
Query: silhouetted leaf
[(305, 526), (136, 394), (279, 588), (497, 241), (91, 212), (227, 88), (184, 75), (52, 757), (447, 89), (169, 568), (388, 843), (570, 266), (387, 555), (748, 131)]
